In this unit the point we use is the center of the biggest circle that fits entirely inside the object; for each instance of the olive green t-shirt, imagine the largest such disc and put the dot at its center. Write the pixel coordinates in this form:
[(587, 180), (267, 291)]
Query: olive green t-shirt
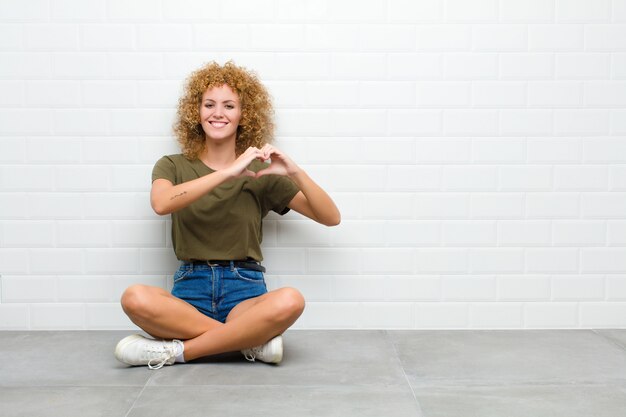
[(226, 223)]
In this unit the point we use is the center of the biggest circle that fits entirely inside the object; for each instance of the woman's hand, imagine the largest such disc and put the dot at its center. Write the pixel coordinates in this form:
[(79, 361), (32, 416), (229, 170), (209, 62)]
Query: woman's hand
[(239, 168), (280, 163)]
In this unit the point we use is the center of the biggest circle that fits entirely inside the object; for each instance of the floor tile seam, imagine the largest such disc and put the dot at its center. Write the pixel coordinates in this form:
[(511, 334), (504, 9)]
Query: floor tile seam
[(283, 386), (145, 385), (406, 377), (610, 339), (494, 383), (69, 386)]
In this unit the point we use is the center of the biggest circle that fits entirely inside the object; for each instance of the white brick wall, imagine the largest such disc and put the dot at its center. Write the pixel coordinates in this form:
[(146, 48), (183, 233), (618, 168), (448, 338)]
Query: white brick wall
[(476, 149)]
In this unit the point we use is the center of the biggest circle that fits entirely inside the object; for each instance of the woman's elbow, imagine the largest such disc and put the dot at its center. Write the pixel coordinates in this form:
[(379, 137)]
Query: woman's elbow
[(333, 221)]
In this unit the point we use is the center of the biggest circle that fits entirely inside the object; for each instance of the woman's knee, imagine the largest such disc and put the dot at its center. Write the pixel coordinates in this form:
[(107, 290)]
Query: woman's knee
[(136, 300), (290, 304)]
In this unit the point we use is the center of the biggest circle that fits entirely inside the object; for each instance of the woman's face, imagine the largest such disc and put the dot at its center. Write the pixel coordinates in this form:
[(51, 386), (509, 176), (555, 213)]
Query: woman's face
[(220, 112)]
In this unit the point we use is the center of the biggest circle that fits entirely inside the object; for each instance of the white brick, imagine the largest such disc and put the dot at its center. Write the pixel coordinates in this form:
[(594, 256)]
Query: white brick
[(604, 150), (496, 315), (443, 37), (466, 288), (109, 94), (404, 177), (605, 94), (603, 260), (555, 94), (578, 288), (552, 205), (387, 260), (412, 288), (87, 234), (440, 151), (604, 205), (358, 288), (330, 315), (527, 11), (525, 178), (14, 261), (465, 233), (414, 66), (354, 11), (387, 205), (618, 122), (616, 287), (475, 11), (80, 66), (470, 122), (443, 94), (412, 234), (356, 234), (285, 94), (107, 316), (551, 315), (248, 10), (109, 205), (12, 150), (142, 122), (335, 261), (526, 65), (385, 150), (53, 149), (285, 261), (414, 122), (618, 10), (597, 315), (107, 37), (190, 9), (32, 11), (618, 66), (387, 37), (331, 94), (357, 122), (115, 150), (362, 66), (473, 66), (526, 122), (302, 233), (386, 316), (312, 287), (157, 261), (579, 233), (552, 260), (616, 232), (13, 93), (411, 11), (298, 123), (583, 65), (444, 260), (112, 261), (11, 36), (441, 315), (441, 206), (611, 38), (56, 261), (302, 10), (136, 10), (26, 289), (26, 178), (150, 149), (54, 205), (25, 65), (80, 122), (523, 288), (500, 37), (487, 261), (143, 234), (590, 178), (57, 316), (386, 94), (277, 37), (204, 37), (78, 10), (135, 65), (27, 234), (131, 178), (82, 178), (524, 233), (555, 37), (554, 150), (349, 204), (164, 37), (351, 178), (583, 11), (499, 150), (496, 205), (331, 37), (581, 122), (15, 317), (467, 178), (21, 122), (498, 94), (51, 37)]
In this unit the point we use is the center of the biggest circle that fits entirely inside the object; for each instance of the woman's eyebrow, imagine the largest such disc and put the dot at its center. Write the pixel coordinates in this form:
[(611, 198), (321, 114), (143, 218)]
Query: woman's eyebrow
[(225, 101)]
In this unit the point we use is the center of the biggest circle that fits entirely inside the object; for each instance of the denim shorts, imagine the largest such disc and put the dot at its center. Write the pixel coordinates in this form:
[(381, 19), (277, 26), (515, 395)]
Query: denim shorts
[(214, 290)]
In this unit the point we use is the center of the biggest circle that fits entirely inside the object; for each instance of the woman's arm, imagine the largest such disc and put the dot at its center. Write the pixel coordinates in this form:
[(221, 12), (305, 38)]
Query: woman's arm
[(311, 201), (167, 198)]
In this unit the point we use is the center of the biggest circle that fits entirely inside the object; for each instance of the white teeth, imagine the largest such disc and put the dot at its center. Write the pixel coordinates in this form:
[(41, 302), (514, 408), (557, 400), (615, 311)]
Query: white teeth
[(218, 124)]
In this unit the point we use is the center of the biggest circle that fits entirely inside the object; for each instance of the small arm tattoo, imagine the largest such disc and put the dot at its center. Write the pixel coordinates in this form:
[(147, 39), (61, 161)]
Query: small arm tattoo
[(178, 195)]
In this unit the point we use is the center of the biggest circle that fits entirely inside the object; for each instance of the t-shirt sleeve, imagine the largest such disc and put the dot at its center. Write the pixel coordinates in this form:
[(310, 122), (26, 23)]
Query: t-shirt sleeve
[(164, 168), (279, 192)]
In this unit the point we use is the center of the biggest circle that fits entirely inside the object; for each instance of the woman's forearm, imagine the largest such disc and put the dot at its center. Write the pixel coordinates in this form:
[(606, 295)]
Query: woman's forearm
[(323, 207)]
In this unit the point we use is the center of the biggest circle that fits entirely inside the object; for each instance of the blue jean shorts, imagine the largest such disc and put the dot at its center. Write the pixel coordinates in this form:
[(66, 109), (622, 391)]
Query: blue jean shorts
[(214, 289)]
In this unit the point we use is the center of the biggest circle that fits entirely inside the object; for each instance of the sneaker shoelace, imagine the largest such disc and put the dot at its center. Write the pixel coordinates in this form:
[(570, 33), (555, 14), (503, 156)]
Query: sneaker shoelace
[(163, 353), (251, 354)]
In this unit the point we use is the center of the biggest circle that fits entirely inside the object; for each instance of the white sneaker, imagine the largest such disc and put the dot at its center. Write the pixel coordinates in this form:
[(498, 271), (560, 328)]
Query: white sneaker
[(270, 352), (139, 350)]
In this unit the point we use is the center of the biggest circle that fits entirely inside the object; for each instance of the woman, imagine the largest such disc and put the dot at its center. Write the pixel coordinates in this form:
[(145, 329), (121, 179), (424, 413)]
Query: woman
[(217, 192)]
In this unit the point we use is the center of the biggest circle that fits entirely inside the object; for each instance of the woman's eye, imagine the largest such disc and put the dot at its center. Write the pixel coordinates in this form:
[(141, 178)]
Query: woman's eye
[(230, 107), (208, 106)]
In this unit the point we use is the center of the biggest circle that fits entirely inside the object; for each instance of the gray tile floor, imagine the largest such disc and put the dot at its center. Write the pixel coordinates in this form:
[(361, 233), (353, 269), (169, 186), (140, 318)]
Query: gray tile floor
[(327, 373)]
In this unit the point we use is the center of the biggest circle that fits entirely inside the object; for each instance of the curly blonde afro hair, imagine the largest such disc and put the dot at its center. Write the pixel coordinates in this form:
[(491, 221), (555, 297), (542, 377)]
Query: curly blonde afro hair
[(256, 126)]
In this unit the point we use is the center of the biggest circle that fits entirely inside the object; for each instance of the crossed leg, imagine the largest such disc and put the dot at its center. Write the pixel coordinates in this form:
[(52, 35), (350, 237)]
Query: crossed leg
[(251, 323)]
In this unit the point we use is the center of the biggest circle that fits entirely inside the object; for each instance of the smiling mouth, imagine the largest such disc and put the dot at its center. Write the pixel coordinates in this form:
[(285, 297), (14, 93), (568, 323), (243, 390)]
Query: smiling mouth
[(218, 124)]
